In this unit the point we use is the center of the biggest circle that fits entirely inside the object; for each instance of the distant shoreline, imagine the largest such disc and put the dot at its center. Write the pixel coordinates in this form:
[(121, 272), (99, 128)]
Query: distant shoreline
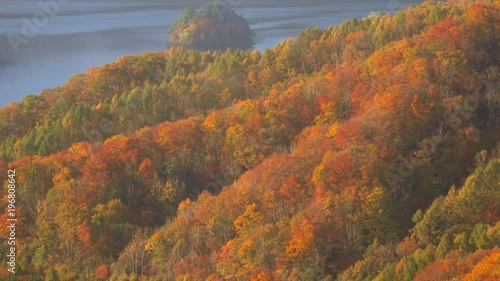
[(86, 34)]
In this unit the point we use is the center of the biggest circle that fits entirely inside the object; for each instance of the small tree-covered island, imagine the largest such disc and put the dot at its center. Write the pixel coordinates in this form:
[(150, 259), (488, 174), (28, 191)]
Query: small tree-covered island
[(213, 26)]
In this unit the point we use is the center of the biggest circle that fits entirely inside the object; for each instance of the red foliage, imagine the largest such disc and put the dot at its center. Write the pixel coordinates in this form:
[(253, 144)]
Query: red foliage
[(447, 30), (147, 168), (292, 188), (102, 272), (438, 271), (84, 232)]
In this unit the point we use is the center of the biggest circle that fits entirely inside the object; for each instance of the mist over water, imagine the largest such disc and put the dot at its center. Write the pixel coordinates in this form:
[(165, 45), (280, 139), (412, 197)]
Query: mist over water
[(86, 33)]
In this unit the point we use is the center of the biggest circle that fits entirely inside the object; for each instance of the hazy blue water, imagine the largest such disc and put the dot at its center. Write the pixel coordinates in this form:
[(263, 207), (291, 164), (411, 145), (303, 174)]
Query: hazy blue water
[(87, 33)]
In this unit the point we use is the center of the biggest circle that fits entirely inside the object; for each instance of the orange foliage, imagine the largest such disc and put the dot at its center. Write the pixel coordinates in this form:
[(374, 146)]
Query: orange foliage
[(302, 240), (486, 270), (382, 62), (292, 188), (314, 148), (262, 276), (445, 30), (84, 233), (227, 263), (147, 168), (102, 272), (438, 271)]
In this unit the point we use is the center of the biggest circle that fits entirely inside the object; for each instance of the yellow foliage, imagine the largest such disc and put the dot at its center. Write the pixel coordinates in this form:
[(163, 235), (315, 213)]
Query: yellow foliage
[(62, 177), (247, 251), (249, 218), (332, 131)]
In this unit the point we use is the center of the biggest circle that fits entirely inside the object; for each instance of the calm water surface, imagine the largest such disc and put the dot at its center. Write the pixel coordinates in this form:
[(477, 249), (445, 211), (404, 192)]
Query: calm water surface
[(87, 33)]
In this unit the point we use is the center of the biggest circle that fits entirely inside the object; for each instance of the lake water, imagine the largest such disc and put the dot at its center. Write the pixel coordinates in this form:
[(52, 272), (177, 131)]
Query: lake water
[(80, 34)]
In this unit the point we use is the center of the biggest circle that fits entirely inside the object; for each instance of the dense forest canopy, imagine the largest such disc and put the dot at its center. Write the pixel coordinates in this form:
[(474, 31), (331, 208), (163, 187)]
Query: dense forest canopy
[(365, 151), (213, 26)]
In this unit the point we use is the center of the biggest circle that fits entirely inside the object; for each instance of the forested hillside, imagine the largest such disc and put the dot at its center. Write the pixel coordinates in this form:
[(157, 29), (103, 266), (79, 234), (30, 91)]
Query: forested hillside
[(366, 151)]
